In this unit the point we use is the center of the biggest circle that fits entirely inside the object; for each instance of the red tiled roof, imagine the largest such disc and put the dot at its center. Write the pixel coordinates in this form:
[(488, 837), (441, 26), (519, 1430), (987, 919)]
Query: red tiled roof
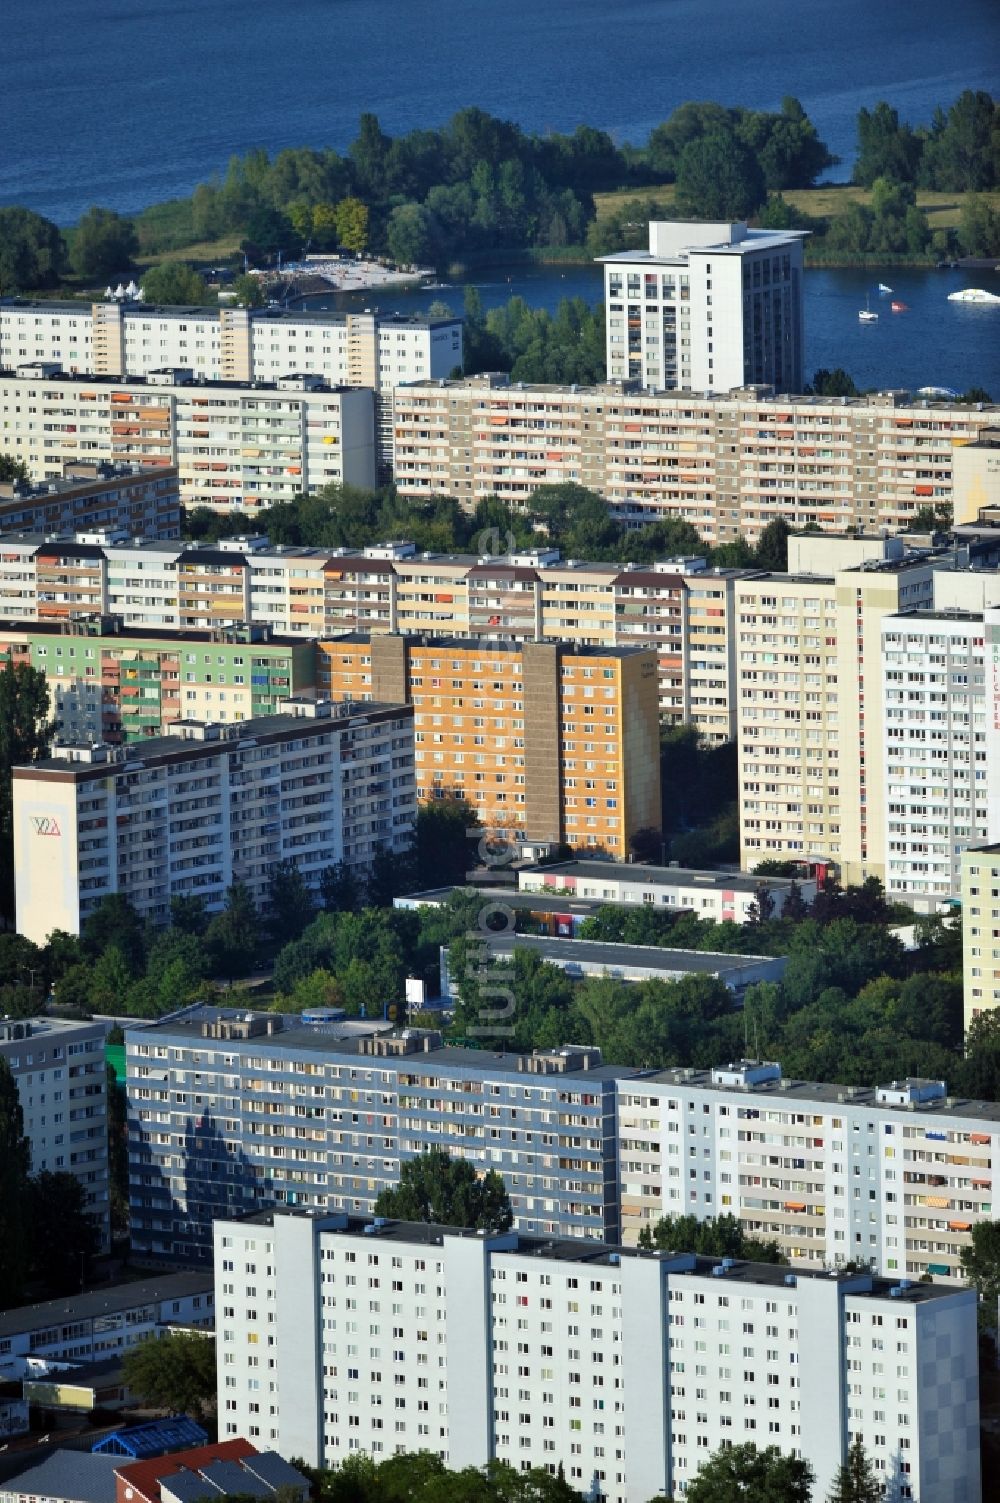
[(143, 1477)]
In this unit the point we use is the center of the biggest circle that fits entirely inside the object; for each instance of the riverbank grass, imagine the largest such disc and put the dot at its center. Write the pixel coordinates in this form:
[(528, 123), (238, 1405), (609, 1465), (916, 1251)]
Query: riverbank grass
[(943, 210)]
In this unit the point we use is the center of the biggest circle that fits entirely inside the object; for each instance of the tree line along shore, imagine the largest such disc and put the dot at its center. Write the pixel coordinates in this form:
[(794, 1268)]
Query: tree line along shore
[(479, 187)]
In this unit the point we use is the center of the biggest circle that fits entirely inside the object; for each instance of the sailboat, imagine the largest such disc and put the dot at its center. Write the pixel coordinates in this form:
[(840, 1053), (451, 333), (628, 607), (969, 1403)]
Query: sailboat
[(883, 289), (866, 315)]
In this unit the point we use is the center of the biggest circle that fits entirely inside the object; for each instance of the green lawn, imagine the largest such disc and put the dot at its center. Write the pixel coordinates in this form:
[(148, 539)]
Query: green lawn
[(942, 209)]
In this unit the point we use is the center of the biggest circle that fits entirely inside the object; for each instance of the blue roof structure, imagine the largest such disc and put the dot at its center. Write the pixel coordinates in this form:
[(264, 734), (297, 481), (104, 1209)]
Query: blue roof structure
[(155, 1438)]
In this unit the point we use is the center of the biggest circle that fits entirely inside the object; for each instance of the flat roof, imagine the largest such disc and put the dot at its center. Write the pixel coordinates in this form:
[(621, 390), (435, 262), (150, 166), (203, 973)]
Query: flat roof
[(202, 310), (658, 876), (209, 636), (296, 1037), (613, 955), (786, 1090), (580, 1250), (487, 646), (263, 729), (111, 1301)]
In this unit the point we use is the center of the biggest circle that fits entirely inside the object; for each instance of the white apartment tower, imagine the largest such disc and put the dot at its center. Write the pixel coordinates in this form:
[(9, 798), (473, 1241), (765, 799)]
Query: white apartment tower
[(934, 751), (339, 1336), (709, 307)]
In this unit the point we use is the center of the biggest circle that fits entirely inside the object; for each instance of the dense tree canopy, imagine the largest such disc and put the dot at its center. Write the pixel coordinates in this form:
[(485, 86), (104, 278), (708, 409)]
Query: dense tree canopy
[(715, 1237), (719, 177), (742, 1474), (32, 252), (175, 1373), (173, 283), (103, 245), (438, 1189)]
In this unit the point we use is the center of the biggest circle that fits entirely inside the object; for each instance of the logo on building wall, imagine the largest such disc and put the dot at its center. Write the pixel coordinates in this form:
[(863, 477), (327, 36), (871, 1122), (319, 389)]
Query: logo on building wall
[(45, 824)]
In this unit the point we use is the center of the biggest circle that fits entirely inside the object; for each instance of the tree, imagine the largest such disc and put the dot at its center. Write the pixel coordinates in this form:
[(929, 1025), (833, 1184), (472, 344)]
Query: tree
[(962, 152), (885, 147), (249, 291), (232, 935), (719, 178), (835, 383), (715, 1237), (290, 901), (411, 235), (175, 1373), (742, 1474), (115, 924), (444, 851), (25, 734), (32, 252), (15, 1157), (103, 244), (173, 283), (63, 1236), (339, 889), (981, 1264), (352, 224), (771, 551), (12, 468), (447, 1192), (856, 1481)]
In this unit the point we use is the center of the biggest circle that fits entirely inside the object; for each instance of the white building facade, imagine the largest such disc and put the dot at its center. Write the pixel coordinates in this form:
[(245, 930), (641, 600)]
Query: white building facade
[(338, 1336), (59, 1070), (895, 1177), (709, 307), (206, 805), (936, 791)]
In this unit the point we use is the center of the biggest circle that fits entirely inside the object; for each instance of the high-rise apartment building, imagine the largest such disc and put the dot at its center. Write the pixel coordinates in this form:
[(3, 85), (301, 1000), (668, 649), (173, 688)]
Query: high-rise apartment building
[(556, 744), (234, 444), (377, 350), (235, 346), (981, 929), (708, 307), (61, 1078), (728, 464), (112, 683), (810, 683), (895, 1177), (935, 790), (231, 1110), (620, 1370), (142, 499), (206, 805)]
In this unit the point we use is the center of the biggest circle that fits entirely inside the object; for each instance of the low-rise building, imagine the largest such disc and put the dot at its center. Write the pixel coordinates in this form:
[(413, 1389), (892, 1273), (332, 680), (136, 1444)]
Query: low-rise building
[(106, 1322), (623, 962), (551, 744), (622, 1371), (59, 1070), (717, 896), (206, 805)]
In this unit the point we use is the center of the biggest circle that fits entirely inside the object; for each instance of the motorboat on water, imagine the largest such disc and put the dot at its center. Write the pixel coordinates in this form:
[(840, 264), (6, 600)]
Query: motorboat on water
[(897, 307), (973, 295)]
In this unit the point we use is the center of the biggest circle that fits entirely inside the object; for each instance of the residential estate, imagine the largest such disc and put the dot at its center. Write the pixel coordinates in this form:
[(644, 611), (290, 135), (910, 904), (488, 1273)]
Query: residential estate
[(206, 805), (618, 1369), (227, 1110)]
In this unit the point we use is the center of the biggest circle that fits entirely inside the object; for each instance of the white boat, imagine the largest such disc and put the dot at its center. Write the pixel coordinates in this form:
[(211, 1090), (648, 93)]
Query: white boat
[(866, 315), (973, 295), (883, 289)]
